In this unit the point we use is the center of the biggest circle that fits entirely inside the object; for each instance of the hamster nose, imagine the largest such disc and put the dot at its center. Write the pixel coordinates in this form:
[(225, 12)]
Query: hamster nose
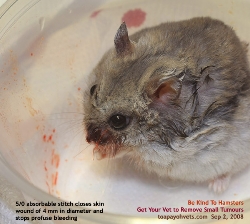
[(97, 135)]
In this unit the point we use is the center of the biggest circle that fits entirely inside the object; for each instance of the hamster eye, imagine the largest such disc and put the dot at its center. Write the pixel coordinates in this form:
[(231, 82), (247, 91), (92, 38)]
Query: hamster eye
[(92, 89), (119, 121)]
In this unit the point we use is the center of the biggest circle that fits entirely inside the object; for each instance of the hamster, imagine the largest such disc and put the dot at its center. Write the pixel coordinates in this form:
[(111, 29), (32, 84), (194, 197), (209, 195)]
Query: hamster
[(175, 98)]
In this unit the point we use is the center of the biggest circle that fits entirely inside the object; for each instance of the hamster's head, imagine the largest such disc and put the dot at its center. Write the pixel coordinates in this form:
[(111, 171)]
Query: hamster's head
[(134, 102)]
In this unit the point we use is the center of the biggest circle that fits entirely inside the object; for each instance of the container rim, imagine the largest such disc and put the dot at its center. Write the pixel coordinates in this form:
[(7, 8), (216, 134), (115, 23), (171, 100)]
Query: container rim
[(10, 12)]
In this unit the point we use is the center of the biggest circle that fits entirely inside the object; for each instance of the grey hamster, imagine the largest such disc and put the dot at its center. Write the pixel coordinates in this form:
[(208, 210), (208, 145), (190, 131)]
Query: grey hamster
[(176, 99)]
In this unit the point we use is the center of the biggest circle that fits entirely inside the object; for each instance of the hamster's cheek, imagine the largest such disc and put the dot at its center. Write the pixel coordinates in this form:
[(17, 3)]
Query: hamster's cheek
[(152, 155), (124, 152)]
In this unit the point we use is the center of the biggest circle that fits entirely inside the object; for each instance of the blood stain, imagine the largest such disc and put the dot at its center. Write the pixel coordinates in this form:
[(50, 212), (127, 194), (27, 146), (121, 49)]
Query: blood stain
[(79, 88), (134, 18), (44, 138), (45, 168), (54, 178), (95, 13), (55, 159), (50, 138)]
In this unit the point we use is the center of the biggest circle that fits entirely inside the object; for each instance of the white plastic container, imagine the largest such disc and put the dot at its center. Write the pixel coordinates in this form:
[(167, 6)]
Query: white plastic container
[(47, 50)]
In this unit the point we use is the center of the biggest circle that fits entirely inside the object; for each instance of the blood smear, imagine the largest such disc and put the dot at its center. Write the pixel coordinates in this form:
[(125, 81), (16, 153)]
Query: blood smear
[(44, 138), (134, 18), (95, 13)]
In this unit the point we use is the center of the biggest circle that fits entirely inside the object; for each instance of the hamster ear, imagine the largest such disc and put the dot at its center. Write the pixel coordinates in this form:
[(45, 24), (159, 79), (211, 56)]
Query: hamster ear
[(123, 45), (165, 90)]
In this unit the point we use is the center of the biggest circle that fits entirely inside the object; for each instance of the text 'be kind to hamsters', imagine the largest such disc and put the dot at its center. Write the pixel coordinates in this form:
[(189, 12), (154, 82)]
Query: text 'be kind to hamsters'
[(176, 99)]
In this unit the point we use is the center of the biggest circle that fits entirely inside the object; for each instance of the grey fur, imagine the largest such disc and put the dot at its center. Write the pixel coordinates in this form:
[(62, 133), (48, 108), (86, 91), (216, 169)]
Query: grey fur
[(201, 133)]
